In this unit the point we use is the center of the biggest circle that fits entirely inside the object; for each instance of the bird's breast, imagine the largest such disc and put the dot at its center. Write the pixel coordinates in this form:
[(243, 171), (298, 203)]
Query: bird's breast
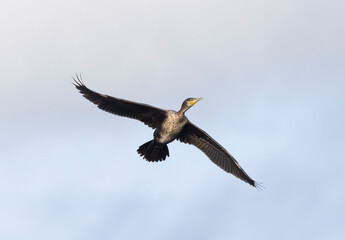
[(170, 128)]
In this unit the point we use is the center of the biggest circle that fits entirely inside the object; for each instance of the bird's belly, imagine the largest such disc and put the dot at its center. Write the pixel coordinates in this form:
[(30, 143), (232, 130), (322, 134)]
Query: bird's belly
[(170, 128), (167, 134)]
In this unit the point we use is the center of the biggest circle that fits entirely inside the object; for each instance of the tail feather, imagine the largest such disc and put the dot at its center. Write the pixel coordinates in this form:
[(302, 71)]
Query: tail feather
[(153, 151)]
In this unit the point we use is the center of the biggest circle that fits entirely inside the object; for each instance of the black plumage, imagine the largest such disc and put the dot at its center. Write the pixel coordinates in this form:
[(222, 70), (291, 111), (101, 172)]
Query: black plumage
[(169, 125)]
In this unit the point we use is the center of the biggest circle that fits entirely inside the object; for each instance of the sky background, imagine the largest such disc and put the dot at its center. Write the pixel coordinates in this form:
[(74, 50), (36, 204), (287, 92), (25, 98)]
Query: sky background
[(272, 76)]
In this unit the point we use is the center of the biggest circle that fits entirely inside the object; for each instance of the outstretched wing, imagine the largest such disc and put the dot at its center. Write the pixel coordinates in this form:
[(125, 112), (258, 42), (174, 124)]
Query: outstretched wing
[(191, 134), (147, 114)]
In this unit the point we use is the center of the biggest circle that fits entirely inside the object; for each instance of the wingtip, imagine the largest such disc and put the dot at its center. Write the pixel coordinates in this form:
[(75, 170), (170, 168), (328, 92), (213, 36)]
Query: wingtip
[(259, 186), (78, 80)]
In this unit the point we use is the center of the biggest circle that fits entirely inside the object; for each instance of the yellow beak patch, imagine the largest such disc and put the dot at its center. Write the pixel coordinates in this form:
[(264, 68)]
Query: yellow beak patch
[(195, 100)]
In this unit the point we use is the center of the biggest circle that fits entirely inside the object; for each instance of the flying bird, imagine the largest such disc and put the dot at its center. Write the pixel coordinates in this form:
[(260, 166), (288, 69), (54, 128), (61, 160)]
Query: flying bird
[(169, 125)]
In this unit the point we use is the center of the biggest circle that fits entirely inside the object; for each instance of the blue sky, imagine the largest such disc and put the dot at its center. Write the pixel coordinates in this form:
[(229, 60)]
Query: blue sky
[(272, 77)]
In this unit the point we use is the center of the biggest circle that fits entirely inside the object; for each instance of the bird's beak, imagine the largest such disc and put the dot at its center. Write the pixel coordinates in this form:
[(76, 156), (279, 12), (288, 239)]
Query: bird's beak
[(195, 100)]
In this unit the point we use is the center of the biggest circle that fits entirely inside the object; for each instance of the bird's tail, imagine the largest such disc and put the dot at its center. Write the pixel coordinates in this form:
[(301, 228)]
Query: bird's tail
[(153, 151)]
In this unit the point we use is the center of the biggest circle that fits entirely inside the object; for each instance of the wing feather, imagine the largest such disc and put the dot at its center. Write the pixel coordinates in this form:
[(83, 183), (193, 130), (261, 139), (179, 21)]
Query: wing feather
[(147, 114), (191, 134)]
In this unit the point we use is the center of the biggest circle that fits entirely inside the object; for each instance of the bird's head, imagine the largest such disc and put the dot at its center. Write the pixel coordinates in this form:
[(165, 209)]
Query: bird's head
[(188, 103)]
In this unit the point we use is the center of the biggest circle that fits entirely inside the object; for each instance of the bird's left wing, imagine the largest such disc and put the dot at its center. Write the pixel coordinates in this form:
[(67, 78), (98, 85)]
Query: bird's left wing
[(147, 114), (191, 134)]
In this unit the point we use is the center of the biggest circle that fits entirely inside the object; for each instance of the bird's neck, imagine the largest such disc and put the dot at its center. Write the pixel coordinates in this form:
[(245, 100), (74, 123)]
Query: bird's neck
[(183, 110)]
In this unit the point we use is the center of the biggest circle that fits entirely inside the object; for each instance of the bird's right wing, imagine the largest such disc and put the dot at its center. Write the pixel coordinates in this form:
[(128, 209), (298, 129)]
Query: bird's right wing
[(191, 134), (147, 114)]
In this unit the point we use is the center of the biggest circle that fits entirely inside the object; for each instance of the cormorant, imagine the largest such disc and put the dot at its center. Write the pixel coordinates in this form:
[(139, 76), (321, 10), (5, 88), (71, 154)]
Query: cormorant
[(169, 125)]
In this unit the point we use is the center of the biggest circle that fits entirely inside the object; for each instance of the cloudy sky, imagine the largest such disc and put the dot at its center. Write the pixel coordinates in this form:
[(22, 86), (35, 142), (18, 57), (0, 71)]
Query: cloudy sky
[(272, 77)]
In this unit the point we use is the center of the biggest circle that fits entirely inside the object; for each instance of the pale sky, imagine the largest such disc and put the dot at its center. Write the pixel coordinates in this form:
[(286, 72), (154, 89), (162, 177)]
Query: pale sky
[(271, 74)]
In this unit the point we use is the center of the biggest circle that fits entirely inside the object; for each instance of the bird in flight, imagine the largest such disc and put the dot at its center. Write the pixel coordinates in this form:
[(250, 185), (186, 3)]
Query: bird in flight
[(169, 125)]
